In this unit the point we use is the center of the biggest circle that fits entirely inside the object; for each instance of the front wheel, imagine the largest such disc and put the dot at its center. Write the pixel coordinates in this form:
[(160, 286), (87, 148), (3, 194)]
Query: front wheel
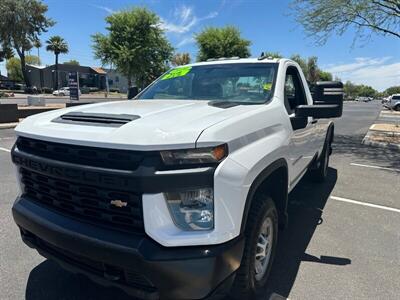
[(261, 236), (397, 107), (320, 173)]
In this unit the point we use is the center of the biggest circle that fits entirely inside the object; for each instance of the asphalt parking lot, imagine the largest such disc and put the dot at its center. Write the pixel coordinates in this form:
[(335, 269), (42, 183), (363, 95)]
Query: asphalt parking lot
[(343, 239)]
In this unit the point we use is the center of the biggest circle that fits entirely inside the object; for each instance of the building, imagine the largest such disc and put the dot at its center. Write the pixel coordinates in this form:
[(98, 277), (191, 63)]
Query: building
[(116, 81), (6, 83), (90, 78)]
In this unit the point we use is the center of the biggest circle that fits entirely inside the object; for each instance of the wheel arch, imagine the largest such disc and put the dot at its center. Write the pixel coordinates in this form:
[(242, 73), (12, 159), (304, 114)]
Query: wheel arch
[(273, 180)]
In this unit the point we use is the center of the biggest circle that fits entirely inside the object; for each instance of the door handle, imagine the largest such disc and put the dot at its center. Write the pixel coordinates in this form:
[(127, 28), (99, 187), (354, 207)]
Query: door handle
[(314, 121)]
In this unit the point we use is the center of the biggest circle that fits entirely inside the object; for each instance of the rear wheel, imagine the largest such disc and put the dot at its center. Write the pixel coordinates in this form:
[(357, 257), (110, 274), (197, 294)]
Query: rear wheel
[(397, 107), (261, 236)]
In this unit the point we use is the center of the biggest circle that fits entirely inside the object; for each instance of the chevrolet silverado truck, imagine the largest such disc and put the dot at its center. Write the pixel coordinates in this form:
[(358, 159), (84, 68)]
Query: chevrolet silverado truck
[(180, 192)]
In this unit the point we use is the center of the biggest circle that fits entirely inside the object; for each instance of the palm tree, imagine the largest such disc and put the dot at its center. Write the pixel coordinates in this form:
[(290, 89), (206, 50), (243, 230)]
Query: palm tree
[(37, 44), (59, 46)]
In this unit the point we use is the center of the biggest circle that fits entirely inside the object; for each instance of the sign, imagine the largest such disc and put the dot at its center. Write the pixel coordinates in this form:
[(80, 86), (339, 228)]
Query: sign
[(73, 83)]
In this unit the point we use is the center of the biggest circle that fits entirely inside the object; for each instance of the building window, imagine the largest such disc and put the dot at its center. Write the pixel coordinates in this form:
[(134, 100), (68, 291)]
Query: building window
[(116, 79)]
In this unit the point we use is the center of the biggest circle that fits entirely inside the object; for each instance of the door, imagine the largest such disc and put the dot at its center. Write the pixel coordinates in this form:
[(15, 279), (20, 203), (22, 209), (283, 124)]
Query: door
[(302, 144)]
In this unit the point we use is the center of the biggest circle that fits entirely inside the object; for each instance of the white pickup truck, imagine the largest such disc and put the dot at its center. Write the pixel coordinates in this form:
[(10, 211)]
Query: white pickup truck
[(179, 193)]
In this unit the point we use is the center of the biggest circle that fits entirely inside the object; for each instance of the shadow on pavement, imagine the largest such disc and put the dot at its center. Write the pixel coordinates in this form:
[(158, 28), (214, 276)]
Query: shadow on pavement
[(49, 281), (306, 205), (350, 145)]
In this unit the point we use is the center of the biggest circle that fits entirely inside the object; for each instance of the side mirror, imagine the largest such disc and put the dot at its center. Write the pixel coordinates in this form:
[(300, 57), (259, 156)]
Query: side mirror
[(132, 92), (328, 101)]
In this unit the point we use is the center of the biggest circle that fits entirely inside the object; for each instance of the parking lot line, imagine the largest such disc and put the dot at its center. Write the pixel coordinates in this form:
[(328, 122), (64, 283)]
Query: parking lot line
[(4, 149), (365, 204), (375, 167)]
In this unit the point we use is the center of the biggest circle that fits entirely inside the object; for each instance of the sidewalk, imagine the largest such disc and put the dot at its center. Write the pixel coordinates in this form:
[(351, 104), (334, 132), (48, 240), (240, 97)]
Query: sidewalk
[(385, 132)]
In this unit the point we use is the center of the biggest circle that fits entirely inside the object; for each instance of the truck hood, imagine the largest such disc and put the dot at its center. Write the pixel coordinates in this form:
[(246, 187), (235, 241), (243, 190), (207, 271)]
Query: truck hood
[(161, 124)]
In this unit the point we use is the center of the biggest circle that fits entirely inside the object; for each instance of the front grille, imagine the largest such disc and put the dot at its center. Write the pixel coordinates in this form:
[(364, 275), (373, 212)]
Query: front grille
[(85, 202), (90, 156), (87, 196)]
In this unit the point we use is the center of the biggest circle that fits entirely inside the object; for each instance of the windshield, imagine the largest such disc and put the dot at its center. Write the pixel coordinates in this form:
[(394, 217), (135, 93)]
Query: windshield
[(247, 83)]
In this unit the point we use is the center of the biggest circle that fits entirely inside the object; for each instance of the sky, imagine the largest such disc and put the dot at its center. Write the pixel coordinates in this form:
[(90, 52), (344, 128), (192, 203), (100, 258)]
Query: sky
[(268, 24)]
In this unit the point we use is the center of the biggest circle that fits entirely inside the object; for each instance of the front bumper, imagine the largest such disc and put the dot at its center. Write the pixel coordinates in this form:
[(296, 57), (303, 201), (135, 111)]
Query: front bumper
[(134, 263)]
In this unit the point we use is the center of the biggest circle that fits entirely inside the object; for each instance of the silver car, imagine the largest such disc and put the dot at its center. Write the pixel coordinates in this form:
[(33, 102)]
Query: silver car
[(394, 102)]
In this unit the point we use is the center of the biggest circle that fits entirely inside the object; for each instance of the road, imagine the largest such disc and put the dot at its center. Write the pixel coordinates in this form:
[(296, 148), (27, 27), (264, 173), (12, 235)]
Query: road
[(343, 239)]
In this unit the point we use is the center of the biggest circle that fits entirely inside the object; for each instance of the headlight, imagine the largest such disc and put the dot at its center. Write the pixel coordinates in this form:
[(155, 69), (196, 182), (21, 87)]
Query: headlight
[(192, 210), (195, 156)]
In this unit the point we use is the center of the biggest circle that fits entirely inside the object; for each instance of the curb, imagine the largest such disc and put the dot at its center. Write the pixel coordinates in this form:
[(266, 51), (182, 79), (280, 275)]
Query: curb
[(367, 141), (8, 125)]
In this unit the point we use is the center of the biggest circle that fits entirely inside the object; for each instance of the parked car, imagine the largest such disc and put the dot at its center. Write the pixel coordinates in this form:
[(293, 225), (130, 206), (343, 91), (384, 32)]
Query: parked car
[(394, 102), (180, 193), (385, 100), (362, 99), (64, 91)]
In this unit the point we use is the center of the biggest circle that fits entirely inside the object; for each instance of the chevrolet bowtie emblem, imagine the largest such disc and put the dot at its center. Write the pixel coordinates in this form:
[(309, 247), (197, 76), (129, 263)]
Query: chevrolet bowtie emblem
[(118, 203)]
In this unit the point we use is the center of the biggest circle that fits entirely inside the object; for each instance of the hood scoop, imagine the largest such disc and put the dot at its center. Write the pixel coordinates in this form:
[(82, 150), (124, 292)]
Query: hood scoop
[(96, 119)]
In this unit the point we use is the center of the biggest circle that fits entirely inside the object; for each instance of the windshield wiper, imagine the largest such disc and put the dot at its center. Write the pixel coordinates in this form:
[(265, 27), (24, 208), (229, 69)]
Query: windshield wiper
[(228, 104)]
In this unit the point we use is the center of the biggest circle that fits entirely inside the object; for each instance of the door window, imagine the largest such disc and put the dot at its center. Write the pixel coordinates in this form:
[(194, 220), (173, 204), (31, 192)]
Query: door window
[(294, 91)]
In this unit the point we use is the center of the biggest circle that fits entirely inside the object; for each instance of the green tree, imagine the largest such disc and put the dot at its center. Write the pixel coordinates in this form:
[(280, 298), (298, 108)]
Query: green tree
[(135, 44), (367, 91), (302, 63), (180, 59), (271, 54), (57, 45), (5, 53), (353, 90), (13, 66), (312, 69), (325, 76), (392, 90), (37, 44), (221, 42), (71, 62), (322, 18), (22, 21)]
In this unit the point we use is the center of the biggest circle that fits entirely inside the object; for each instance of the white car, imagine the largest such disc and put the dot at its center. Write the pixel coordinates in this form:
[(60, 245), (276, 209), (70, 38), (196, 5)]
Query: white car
[(179, 193), (64, 91), (393, 102)]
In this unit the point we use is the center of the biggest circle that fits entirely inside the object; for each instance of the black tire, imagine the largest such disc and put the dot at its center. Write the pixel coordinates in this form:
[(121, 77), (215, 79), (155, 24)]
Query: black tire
[(320, 171), (397, 107), (245, 285), (61, 94)]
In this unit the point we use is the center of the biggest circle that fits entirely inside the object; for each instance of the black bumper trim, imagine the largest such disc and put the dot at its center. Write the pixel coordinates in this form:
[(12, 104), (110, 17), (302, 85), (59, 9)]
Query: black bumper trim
[(177, 273)]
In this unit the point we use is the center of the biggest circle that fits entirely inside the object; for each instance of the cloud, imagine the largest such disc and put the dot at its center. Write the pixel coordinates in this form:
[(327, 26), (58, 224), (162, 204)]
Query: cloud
[(184, 20), (183, 13), (380, 73), (185, 41), (105, 8)]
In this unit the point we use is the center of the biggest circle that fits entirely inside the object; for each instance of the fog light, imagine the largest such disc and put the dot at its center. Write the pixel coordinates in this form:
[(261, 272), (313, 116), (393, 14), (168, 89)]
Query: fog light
[(192, 209)]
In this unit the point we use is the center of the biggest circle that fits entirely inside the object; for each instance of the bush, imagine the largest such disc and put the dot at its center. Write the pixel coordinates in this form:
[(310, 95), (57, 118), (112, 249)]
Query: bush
[(93, 89), (85, 90), (47, 90)]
